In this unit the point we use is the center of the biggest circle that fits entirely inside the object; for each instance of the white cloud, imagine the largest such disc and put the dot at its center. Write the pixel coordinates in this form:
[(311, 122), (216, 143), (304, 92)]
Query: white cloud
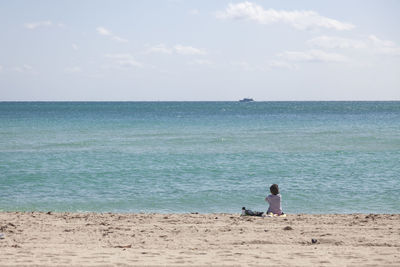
[(381, 43), (73, 69), (302, 20), (384, 46), (188, 50), (178, 49), (75, 47), (124, 60), (39, 24), (119, 39), (312, 56), (370, 44), (336, 42), (23, 68), (34, 25), (105, 32), (160, 48)]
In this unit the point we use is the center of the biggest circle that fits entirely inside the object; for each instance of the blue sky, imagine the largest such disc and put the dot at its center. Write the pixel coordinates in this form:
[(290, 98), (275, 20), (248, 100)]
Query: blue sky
[(199, 50)]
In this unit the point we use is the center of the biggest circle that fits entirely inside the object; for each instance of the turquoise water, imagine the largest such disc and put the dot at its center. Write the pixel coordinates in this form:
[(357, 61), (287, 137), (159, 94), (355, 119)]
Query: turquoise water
[(327, 157)]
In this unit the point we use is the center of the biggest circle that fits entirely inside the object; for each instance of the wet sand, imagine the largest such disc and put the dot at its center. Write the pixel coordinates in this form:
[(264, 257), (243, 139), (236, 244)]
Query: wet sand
[(104, 239)]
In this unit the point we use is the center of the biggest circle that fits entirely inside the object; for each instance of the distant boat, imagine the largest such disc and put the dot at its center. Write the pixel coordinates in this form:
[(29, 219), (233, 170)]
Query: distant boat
[(246, 100)]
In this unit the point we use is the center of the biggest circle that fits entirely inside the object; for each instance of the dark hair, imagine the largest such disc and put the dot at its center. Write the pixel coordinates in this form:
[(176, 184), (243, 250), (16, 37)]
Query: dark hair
[(274, 189)]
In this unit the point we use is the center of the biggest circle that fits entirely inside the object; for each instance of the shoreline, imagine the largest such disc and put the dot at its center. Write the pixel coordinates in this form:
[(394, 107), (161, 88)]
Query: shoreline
[(99, 239)]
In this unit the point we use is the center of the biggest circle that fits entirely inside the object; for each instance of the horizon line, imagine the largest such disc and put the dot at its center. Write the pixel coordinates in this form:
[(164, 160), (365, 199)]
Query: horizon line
[(393, 100)]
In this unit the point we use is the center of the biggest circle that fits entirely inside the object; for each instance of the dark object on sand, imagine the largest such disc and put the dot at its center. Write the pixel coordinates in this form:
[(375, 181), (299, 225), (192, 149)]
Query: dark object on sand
[(288, 228), (314, 240), (127, 246), (251, 213)]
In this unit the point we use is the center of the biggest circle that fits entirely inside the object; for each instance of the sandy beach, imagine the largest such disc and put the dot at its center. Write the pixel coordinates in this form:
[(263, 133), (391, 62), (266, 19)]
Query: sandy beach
[(104, 239)]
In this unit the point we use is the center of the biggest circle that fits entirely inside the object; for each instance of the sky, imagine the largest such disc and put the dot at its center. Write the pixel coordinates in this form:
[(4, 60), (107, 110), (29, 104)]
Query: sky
[(199, 50)]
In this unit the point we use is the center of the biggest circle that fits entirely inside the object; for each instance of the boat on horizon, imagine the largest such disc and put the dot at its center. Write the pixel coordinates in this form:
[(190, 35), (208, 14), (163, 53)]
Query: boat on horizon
[(246, 100)]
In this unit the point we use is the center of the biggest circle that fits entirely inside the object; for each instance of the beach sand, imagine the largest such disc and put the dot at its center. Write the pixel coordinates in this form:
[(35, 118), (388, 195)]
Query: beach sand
[(104, 239)]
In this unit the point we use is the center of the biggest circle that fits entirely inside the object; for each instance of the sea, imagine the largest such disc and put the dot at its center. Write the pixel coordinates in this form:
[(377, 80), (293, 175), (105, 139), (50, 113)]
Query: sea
[(205, 157)]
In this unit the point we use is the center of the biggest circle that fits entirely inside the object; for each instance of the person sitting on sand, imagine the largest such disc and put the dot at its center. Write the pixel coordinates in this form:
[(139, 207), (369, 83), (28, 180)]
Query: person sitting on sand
[(274, 201)]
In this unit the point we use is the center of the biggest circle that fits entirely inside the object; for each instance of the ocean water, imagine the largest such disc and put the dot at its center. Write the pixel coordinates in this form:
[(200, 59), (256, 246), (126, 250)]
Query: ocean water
[(327, 157)]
